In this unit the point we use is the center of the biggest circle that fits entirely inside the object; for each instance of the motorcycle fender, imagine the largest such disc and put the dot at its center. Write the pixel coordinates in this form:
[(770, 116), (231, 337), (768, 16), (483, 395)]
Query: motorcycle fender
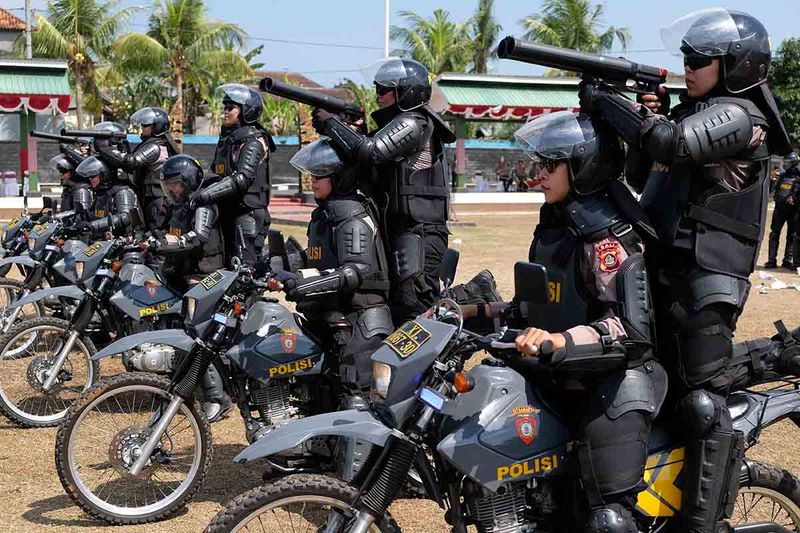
[(18, 260), (352, 424), (176, 338), (71, 292)]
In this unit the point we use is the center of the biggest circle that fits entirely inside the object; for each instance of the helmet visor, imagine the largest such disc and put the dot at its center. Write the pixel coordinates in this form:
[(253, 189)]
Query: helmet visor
[(235, 92), (144, 117), (706, 31), (554, 135), (386, 72), (318, 159), (60, 163), (175, 190), (111, 127), (91, 166)]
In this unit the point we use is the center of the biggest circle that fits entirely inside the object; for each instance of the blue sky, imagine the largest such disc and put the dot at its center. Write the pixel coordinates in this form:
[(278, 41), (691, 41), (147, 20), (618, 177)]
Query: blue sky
[(360, 23)]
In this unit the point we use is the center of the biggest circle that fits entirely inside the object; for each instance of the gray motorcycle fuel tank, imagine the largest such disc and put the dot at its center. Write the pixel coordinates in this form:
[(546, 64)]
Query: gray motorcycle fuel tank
[(141, 294), (272, 345), (501, 431), (65, 267)]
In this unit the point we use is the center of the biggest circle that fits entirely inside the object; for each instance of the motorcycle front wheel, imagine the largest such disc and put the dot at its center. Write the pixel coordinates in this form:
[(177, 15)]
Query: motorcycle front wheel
[(302, 502), (102, 437)]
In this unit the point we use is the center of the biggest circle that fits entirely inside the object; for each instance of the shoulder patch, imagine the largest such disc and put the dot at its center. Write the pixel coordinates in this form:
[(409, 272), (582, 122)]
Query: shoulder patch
[(608, 256)]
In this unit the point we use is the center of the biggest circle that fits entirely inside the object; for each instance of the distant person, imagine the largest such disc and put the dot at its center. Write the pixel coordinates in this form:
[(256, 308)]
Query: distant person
[(503, 173), (534, 180), (784, 214), (520, 174)]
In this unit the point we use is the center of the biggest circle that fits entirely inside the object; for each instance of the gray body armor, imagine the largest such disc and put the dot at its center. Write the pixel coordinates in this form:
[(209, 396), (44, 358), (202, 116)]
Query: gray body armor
[(186, 222), (693, 210), (147, 177), (226, 162)]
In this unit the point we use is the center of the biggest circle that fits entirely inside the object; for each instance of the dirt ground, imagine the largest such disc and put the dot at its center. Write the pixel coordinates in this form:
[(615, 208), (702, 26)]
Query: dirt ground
[(33, 499)]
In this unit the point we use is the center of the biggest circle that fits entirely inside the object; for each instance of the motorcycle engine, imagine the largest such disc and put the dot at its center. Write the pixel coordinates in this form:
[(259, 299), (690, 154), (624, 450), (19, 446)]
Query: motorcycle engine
[(503, 512), (157, 358), (276, 403)]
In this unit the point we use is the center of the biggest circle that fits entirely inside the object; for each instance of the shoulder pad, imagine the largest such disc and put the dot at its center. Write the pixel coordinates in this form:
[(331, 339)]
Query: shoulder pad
[(355, 241), (402, 134), (590, 214), (716, 132), (245, 132), (756, 114), (339, 210)]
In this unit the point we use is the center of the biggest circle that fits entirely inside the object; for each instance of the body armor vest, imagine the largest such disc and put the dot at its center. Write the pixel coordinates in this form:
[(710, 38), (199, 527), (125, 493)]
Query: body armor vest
[(226, 158), (104, 203), (204, 260), (785, 185), (558, 245), (323, 253), (692, 209), (66, 197), (418, 193)]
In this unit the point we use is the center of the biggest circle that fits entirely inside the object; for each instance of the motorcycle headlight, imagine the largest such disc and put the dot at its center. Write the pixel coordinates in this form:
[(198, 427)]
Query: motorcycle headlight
[(31, 242), (79, 269), (3, 233), (381, 378), (191, 305)]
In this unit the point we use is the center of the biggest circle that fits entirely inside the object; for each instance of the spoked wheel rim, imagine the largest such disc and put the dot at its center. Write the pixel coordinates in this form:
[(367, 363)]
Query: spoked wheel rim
[(302, 513), (760, 504), (9, 295), (24, 363), (104, 442)]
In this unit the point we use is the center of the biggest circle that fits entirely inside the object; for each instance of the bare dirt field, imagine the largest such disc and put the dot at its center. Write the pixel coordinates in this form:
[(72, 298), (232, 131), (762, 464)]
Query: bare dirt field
[(33, 500)]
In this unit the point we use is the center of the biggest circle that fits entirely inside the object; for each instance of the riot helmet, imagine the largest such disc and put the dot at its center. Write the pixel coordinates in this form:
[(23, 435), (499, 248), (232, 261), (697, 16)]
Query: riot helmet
[(91, 167), (792, 160), (120, 142), (738, 39), (321, 161), (61, 164), (409, 79), (249, 100), (181, 175), (592, 160), (152, 116)]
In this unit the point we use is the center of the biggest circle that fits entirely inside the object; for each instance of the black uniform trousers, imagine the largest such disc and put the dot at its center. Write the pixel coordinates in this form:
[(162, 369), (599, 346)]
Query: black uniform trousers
[(784, 214)]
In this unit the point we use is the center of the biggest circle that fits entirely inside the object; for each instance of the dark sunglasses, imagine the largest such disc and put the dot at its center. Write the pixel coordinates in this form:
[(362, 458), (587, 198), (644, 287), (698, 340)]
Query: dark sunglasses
[(549, 164), (381, 90), (696, 61), (230, 107)]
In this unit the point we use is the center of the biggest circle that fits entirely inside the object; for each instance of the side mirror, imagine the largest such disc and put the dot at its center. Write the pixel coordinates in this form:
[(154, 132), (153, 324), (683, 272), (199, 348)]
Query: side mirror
[(530, 283), (448, 267), (277, 247)]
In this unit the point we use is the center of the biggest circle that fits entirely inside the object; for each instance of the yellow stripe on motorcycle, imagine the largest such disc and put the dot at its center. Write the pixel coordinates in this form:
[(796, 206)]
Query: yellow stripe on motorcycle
[(662, 497)]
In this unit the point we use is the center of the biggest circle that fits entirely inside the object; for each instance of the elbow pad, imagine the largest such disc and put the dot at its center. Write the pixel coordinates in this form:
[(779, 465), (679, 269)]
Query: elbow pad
[(633, 299), (142, 156), (715, 133), (226, 187), (621, 114), (346, 278)]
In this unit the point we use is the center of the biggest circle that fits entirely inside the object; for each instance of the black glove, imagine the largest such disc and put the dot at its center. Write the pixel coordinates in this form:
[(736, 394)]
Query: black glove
[(197, 199), (84, 227), (319, 118), (588, 94)]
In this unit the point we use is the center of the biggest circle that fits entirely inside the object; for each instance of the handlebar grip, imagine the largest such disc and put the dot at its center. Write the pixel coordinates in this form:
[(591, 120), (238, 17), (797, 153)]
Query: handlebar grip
[(547, 348)]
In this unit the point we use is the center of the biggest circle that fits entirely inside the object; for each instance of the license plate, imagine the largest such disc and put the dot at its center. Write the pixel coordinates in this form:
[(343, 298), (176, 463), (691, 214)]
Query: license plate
[(211, 280), (51, 248), (407, 339)]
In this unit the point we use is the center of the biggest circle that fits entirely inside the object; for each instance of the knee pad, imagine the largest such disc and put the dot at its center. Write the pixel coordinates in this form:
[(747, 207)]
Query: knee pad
[(409, 254), (611, 519), (248, 225), (700, 412), (704, 344)]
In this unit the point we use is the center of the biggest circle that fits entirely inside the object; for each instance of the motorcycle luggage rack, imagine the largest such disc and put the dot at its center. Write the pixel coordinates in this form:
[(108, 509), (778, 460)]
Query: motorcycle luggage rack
[(786, 381)]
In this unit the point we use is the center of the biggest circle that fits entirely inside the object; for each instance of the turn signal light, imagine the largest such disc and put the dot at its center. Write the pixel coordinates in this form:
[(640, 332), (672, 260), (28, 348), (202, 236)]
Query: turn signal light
[(462, 382), (238, 308), (116, 266), (59, 242)]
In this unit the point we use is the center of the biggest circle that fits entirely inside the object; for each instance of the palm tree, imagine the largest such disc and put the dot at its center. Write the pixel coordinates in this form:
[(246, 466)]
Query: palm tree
[(573, 24), (438, 43), (80, 31), (363, 96), (183, 41), (485, 31)]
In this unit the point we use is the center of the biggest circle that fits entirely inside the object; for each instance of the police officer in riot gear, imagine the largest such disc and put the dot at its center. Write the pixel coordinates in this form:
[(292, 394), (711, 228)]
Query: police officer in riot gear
[(784, 214), (411, 188), (75, 192), (193, 248), (144, 162), (115, 208), (702, 170), (347, 292), (590, 239), (345, 296), (242, 162)]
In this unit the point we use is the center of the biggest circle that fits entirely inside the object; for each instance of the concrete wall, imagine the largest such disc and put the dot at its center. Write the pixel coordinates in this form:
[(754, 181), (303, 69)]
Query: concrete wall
[(483, 158)]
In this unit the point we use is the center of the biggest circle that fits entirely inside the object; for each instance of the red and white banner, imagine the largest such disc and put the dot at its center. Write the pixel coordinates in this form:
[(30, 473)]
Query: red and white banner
[(502, 112), (37, 103)]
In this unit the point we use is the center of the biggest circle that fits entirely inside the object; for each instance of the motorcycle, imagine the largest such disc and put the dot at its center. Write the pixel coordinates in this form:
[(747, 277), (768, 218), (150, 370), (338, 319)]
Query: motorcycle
[(136, 447), (45, 362), (490, 445)]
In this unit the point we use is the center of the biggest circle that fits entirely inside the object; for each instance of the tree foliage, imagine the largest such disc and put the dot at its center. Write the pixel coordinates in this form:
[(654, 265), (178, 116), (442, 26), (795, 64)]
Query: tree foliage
[(485, 31), (784, 79), (439, 43)]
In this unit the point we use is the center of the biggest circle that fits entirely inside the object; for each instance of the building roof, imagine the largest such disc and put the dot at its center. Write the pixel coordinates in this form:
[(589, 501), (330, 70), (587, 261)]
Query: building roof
[(10, 22), (496, 97), (38, 85)]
